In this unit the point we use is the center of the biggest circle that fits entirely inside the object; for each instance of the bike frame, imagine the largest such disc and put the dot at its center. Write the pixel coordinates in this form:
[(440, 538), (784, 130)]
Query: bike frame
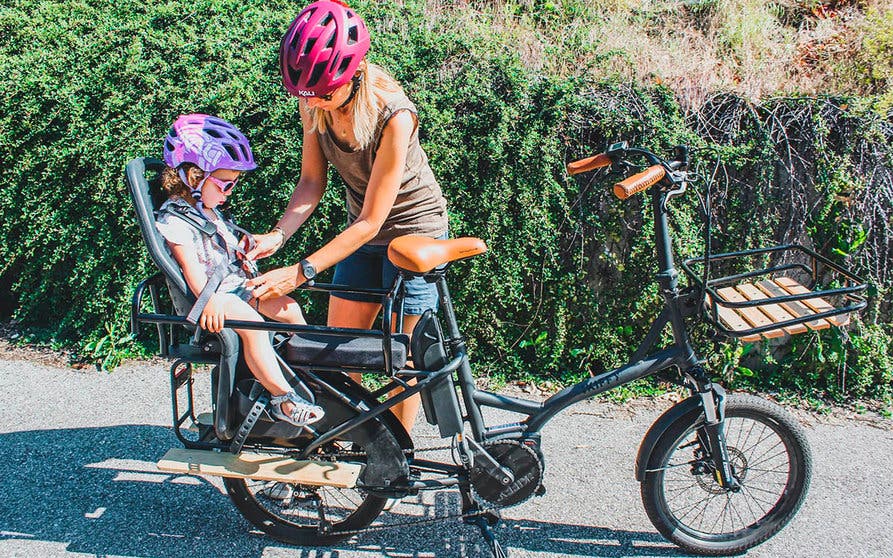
[(678, 305)]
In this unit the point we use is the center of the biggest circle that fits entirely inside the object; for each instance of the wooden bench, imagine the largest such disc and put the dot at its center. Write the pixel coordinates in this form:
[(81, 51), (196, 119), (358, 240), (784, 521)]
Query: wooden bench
[(743, 319)]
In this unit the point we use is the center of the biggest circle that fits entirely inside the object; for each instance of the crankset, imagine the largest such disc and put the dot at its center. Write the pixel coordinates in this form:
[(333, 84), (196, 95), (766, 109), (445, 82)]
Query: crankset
[(525, 464)]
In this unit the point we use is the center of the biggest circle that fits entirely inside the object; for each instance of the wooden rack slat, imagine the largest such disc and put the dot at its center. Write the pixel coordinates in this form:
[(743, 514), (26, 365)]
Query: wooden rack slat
[(751, 315), (795, 308), (775, 312), (816, 304), (762, 315)]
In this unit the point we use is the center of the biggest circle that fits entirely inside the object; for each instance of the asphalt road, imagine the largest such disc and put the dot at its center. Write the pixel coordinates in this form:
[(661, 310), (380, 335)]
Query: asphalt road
[(80, 447)]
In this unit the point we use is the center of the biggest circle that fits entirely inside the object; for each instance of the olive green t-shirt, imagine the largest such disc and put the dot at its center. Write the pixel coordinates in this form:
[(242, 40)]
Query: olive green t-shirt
[(420, 207)]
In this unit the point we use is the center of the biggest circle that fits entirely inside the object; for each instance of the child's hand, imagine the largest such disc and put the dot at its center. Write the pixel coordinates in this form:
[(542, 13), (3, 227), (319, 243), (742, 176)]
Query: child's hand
[(213, 315), (265, 245)]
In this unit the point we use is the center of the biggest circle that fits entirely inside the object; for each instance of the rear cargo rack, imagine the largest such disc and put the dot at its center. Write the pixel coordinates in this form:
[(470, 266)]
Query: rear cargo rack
[(782, 297)]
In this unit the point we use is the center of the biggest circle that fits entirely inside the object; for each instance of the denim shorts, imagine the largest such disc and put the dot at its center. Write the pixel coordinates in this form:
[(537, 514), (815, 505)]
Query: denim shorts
[(369, 268)]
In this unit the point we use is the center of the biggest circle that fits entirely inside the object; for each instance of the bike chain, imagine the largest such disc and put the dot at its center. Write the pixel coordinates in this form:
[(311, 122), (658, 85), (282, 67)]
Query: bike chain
[(377, 528)]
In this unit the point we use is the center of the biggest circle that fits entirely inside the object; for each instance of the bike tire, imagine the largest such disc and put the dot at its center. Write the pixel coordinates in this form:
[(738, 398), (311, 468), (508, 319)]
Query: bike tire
[(765, 442), (355, 509)]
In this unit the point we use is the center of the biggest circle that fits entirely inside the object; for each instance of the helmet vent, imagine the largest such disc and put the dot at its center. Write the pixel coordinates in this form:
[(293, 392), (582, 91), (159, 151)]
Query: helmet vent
[(308, 46), (172, 133), (331, 42), (326, 20), (316, 74), (294, 74), (232, 152), (213, 133), (352, 35), (345, 62)]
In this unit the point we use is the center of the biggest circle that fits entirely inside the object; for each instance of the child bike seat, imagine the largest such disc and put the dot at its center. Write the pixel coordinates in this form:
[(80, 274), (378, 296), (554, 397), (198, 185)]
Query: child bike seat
[(143, 177), (325, 350)]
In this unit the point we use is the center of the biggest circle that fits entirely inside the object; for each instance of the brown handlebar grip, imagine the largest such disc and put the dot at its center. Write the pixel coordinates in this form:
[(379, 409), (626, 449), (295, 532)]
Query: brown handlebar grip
[(639, 182), (588, 164)]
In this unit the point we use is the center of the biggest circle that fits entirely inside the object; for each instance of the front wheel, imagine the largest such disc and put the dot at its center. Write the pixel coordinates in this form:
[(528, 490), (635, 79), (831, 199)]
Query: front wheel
[(770, 459)]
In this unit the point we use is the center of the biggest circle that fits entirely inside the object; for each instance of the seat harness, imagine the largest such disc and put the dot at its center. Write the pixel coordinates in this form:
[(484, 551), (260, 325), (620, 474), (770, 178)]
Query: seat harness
[(206, 227)]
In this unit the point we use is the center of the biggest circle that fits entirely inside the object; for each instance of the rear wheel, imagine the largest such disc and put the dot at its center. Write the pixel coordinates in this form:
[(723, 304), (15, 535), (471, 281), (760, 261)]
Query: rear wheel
[(317, 515), (770, 458), (304, 515)]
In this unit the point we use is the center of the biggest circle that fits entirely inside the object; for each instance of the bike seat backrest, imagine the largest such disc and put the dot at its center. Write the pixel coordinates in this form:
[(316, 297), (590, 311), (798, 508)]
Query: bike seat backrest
[(420, 254), (143, 178)]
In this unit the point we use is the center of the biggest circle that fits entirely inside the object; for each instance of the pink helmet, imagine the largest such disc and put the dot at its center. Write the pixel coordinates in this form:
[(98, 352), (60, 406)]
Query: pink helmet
[(322, 49)]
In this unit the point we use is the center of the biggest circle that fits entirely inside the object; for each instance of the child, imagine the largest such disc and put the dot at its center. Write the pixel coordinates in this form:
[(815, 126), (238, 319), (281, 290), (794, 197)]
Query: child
[(206, 156)]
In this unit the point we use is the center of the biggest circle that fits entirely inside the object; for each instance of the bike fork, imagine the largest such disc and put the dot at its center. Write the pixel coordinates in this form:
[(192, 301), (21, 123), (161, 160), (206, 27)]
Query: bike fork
[(712, 435)]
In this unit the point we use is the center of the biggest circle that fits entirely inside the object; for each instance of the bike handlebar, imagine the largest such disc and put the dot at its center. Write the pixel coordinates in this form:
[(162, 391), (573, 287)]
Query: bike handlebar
[(588, 164), (639, 182), (618, 153)]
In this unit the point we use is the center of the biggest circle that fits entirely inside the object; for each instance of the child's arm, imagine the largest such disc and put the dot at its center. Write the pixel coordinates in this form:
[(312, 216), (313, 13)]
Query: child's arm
[(213, 314)]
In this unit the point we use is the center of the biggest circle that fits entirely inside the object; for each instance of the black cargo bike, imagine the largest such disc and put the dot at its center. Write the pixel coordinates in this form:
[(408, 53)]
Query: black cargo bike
[(719, 473)]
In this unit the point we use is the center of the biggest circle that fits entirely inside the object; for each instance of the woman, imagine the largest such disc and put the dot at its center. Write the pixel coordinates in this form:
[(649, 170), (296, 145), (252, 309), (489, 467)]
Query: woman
[(356, 117)]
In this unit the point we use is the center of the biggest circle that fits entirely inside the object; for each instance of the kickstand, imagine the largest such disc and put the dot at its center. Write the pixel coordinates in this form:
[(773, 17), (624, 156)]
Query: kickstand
[(484, 524)]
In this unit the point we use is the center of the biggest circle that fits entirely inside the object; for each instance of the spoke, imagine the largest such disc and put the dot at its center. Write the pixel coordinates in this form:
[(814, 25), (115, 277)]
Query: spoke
[(763, 490), (735, 510), (784, 451), (749, 490), (747, 451), (721, 517), (691, 508), (703, 512)]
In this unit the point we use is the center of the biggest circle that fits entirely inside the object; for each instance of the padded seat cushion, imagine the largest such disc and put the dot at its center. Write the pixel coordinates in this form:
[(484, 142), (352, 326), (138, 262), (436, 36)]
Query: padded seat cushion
[(348, 352)]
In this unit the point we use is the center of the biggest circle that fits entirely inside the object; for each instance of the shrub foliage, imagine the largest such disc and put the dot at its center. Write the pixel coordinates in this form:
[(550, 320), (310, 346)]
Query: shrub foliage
[(564, 291)]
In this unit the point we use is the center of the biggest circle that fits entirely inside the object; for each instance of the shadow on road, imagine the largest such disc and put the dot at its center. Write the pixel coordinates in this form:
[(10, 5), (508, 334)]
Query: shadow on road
[(97, 491)]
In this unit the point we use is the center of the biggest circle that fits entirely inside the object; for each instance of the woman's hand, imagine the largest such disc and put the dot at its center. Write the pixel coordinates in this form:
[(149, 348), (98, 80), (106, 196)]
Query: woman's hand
[(212, 317), (277, 282), (265, 245)]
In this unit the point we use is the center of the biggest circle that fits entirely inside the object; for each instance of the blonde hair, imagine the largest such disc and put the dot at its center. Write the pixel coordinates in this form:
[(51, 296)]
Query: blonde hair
[(374, 82)]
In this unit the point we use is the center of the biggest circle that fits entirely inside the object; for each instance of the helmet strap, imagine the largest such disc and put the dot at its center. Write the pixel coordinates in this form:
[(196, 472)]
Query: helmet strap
[(353, 91), (195, 192)]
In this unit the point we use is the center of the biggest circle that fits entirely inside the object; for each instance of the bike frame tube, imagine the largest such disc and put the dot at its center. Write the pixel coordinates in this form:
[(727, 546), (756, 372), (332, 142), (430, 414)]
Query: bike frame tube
[(680, 354)]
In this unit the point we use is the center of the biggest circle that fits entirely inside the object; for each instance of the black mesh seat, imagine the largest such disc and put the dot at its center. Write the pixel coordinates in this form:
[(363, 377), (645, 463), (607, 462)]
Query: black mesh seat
[(345, 352)]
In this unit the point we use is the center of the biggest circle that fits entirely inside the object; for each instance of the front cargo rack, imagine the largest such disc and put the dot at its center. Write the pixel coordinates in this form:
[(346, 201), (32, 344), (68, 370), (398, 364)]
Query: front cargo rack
[(782, 297)]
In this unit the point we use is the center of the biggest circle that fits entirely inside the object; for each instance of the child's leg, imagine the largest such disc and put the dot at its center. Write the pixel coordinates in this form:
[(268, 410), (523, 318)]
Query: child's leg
[(261, 360), (256, 346), (282, 309)]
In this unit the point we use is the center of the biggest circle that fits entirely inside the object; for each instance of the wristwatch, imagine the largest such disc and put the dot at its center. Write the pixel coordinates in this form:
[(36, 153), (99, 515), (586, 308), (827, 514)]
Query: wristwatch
[(308, 270)]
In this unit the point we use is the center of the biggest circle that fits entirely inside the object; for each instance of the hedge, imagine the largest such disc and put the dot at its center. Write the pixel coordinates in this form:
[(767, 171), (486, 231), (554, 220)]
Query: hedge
[(564, 290)]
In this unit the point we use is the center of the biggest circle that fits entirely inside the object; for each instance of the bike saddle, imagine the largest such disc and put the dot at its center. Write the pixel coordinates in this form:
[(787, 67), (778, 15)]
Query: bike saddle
[(421, 254)]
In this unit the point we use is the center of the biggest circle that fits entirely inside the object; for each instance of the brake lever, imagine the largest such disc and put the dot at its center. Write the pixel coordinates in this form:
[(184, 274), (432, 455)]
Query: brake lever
[(680, 178)]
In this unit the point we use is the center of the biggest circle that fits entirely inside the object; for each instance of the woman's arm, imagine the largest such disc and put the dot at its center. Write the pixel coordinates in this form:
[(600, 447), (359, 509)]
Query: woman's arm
[(304, 198), (381, 192)]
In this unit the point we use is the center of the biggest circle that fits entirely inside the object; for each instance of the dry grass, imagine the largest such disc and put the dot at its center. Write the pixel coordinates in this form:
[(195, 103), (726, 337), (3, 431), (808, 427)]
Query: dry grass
[(695, 47)]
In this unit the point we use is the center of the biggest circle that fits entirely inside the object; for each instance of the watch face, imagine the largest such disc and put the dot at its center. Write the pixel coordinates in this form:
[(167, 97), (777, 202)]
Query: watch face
[(308, 270)]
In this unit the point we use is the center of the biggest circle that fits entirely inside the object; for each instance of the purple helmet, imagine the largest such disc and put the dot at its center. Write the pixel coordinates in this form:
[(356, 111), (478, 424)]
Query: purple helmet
[(208, 142), (322, 49)]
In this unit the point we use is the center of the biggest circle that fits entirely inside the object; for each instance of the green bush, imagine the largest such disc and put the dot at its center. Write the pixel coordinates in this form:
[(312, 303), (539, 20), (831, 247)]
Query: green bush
[(564, 291)]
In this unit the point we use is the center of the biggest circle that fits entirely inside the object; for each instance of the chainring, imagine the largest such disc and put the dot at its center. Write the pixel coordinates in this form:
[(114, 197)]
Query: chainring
[(525, 464)]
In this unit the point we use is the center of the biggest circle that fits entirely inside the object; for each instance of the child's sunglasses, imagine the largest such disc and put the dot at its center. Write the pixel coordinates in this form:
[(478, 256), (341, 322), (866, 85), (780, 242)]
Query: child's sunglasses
[(224, 185)]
